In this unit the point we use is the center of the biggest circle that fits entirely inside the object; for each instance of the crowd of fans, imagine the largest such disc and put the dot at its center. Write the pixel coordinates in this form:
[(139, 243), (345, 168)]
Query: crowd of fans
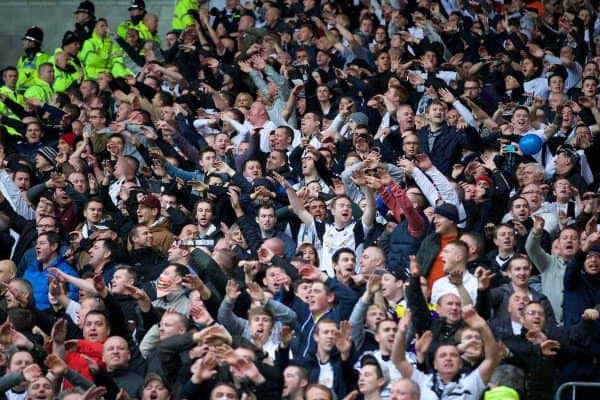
[(303, 200)]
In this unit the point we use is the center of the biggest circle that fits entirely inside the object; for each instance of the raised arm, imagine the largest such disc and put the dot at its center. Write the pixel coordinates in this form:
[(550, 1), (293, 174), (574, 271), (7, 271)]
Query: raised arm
[(534, 250), (490, 347), (295, 201), (398, 356)]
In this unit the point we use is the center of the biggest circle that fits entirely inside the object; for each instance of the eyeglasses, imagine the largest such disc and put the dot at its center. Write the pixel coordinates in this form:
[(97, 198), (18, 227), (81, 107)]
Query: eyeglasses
[(531, 313)]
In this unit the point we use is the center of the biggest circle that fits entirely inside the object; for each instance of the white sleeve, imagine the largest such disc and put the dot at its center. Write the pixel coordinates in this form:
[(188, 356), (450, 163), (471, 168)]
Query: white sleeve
[(474, 384), (465, 113), (429, 190), (447, 192), (14, 196)]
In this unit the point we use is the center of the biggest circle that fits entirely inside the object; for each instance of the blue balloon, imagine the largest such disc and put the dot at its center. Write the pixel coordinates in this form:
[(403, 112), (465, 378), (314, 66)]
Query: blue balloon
[(530, 144)]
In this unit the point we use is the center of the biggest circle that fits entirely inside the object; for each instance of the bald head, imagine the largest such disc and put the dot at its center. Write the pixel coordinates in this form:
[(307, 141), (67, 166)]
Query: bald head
[(115, 353), (8, 270), (371, 259), (275, 245)]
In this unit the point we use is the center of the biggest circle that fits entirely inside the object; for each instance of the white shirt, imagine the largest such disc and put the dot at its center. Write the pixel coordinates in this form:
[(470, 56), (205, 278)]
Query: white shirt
[(537, 87), (326, 375), (443, 286), (516, 327), (468, 387)]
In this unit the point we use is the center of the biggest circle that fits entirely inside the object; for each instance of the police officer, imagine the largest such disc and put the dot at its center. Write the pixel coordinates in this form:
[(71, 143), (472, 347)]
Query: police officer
[(137, 11), (182, 14), (28, 64), (41, 88), (85, 19), (10, 77)]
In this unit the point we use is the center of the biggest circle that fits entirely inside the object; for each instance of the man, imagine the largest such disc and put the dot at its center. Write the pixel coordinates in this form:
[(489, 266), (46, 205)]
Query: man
[(15, 187), (206, 161), (445, 219), (98, 53), (332, 356), (171, 324), (46, 249), (116, 357), (137, 11), (441, 142), (17, 362), (170, 290), (582, 288), (373, 377), (343, 232), (267, 221), (264, 321), (8, 271), (497, 300), (182, 17), (102, 257), (385, 334), (552, 267), (45, 164), (457, 280), (92, 212), (505, 242), (540, 349), (85, 19), (146, 262), (29, 64), (372, 258), (405, 389), (96, 329), (344, 266), (318, 392), (41, 88), (124, 277), (148, 214), (511, 325), (66, 73), (10, 77), (259, 118), (447, 363), (327, 299), (295, 380)]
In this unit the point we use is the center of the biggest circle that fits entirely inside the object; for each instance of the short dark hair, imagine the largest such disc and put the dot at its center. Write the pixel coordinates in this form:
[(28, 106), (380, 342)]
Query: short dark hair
[(52, 237), (338, 253), (180, 269)]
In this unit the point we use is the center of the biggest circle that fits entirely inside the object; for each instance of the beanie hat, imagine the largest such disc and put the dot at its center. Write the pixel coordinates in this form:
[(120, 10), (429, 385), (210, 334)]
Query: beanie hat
[(360, 118), (48, 153), (69, 138), (150, 201), (447, 210), (484, 178)]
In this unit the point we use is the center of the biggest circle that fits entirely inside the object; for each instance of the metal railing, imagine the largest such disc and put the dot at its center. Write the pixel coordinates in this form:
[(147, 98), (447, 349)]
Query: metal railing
[(574, 386)]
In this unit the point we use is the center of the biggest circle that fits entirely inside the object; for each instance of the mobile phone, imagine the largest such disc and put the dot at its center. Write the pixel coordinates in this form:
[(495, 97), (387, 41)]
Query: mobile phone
[(509, 148)]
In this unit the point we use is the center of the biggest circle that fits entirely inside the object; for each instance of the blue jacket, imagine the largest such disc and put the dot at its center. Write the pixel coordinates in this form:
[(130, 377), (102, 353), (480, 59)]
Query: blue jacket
[(581, 290), (447, 147), (344, 374), (402, 245), (38, 278), (303, 342)]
